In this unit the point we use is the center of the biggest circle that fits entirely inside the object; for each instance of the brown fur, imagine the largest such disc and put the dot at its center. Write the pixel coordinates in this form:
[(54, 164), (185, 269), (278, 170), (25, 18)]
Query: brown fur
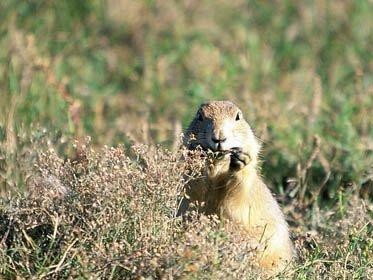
[(232, 187)]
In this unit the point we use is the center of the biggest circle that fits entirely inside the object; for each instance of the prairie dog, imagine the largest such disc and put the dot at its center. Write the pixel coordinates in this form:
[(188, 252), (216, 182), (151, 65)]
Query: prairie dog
[(231, 186)]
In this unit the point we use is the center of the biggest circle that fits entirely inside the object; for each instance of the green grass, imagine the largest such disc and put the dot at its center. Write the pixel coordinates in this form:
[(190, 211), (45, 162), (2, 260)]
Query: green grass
[(127, 72)]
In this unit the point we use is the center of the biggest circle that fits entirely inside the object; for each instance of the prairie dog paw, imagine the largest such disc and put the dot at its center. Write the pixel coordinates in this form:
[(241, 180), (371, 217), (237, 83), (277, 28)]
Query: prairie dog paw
[(239, 159), (218, 163)]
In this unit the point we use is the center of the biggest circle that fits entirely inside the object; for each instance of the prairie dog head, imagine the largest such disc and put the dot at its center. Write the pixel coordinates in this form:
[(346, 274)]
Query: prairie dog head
[(220, 126)]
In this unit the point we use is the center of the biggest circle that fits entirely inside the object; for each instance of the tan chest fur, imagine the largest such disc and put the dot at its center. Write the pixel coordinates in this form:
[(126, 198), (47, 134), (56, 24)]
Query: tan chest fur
[(244, 198)]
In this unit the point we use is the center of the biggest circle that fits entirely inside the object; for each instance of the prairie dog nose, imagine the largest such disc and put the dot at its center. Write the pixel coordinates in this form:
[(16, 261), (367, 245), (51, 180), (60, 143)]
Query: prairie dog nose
[(218, 140)]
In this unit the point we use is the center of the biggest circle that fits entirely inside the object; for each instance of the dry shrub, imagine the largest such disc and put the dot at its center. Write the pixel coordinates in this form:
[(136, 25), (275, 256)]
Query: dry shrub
[(111, 214)]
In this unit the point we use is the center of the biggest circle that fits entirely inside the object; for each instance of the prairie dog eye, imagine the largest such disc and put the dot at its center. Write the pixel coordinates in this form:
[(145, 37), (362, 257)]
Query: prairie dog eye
[(238, 116)]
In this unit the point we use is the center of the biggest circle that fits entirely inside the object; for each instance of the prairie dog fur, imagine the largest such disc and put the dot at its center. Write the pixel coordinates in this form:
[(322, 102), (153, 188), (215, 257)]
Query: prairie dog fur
[(231, 186)]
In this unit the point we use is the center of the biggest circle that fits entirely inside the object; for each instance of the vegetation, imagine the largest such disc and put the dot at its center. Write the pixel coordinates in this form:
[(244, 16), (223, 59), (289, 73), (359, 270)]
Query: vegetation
[(133, 72)]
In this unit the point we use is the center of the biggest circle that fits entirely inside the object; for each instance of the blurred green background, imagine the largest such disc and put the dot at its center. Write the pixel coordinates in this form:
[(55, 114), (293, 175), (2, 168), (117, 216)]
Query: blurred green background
[(125, 71)]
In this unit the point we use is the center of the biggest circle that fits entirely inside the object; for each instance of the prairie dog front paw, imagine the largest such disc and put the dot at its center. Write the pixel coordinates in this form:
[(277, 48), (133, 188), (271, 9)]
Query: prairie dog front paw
[(218, 163), (239, 159)]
